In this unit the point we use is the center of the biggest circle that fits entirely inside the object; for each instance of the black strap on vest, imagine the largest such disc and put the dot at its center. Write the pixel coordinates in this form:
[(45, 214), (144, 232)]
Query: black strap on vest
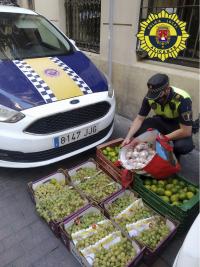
[(172, 105)]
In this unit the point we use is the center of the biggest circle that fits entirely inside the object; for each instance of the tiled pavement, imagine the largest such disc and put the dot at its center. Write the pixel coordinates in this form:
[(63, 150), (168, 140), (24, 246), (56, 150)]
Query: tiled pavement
[(26, 241)]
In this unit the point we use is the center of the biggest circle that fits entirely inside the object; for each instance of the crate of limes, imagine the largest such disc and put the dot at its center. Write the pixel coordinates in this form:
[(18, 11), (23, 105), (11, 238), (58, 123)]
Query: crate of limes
[(176, 197), (107, 155)]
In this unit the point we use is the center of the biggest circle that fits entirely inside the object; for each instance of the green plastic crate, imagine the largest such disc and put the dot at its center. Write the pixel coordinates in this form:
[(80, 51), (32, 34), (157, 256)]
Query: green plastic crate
[(185, 214)]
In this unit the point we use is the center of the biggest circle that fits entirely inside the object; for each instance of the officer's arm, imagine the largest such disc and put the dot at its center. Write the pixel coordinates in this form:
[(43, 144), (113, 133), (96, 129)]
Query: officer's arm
[(184, 131), (136, 124)]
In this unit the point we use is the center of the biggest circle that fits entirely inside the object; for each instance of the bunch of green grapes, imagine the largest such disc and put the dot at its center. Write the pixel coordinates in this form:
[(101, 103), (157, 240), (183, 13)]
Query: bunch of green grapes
[(85, 221), (139, 214), (83, 173), (99, 187), (47, 190), (103, 230), (119, 205), (118, 255), (59, 206), (154, 235)]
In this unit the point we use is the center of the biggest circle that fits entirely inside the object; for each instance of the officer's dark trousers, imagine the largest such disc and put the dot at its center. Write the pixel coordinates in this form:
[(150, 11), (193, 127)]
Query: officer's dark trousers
[(164, 126)]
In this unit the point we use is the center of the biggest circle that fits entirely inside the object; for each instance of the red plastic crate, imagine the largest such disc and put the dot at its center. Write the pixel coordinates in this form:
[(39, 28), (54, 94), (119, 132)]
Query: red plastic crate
[(105, 162)]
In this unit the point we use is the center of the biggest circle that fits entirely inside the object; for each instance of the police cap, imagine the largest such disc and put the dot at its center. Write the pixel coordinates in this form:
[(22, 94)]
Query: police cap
[(156, 84)]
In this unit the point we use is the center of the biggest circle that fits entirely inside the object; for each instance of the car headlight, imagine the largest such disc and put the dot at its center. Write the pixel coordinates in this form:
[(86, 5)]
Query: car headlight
[(9, 115)]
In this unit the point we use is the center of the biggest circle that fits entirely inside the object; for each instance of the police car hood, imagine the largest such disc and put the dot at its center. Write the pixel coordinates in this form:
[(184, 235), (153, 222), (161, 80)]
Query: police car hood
[(29, 83)]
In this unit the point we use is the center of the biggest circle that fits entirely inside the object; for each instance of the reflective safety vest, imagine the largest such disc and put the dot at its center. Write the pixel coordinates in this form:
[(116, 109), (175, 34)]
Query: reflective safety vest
[(170, 109)]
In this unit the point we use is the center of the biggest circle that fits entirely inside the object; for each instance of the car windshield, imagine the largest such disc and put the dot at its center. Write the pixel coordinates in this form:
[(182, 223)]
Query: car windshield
[(30, 36)]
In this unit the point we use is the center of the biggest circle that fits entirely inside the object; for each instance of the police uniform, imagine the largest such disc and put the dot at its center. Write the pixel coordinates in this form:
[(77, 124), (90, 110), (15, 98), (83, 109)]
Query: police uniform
[(176, 110)]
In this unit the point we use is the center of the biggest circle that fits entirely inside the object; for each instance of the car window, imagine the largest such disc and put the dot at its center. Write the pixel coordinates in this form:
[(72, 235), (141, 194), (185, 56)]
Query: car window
[(29, 36)]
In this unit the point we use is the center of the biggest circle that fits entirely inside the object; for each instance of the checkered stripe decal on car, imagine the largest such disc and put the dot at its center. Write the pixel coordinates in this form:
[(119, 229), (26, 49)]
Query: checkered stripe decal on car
[(37, 82), (78, 80)]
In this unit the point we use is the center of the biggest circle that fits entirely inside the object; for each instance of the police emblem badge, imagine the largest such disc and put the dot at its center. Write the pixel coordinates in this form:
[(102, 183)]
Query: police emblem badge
[(162, 35)]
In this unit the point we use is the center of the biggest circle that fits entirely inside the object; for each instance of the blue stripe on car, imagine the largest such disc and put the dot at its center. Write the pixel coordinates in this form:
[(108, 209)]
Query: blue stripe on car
[(86, 70), (16, 91)]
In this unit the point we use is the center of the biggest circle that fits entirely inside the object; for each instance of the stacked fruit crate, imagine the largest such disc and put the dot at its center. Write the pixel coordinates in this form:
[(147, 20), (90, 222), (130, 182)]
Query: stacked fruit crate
[(100, 223)]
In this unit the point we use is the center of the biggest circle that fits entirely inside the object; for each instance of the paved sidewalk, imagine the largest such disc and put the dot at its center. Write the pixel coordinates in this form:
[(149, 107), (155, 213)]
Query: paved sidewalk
[(26, 241)]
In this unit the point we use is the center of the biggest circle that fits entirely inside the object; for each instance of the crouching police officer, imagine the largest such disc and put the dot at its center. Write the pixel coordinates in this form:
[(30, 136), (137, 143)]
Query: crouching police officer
[(173, 114)]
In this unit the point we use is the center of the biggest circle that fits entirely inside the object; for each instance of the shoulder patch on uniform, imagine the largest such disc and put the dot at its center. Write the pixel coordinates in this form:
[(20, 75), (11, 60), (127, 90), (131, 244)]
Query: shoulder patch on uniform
[(178, 97), (187, 116)]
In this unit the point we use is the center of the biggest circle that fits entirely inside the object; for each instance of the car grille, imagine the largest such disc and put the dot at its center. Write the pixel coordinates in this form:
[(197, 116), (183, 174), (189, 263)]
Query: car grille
[(55, 152), (69, 119)]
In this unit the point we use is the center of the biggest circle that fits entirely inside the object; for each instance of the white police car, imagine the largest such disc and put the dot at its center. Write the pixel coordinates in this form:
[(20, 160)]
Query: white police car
[(54, 102)]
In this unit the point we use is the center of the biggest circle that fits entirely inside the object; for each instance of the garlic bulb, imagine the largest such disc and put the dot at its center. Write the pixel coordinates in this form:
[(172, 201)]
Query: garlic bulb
[(144, 154)]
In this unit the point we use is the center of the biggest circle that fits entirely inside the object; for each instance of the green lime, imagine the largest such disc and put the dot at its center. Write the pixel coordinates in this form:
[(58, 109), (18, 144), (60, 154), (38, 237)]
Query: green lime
[(112, 154), (192, 189), (174, 198), (169, 180), (147, 186), (160, 191), (182, 196), (153, 188), (178, 188), (113, 159), (174, 190), (105, 152), (168, 193), (117, 148), (169, 186), (154, 181), (176, 203), (161, 183), (108, 157), (189, 195), (182, 184), (147, 181), (108, 148), (174, 181), (165, 198)]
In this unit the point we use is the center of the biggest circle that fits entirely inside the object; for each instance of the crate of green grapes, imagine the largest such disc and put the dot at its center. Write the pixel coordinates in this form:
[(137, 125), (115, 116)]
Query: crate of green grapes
[(107, 154), (56, 199), (93, 182), (95, 241), (139, 221), (176, 197)]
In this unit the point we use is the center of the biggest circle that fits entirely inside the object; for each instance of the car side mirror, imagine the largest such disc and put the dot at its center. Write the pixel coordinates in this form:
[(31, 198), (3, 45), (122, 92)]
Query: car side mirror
[(73, 42)]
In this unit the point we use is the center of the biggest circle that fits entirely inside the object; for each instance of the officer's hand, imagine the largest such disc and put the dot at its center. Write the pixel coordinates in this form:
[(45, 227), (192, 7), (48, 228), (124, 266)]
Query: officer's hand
[(134, 142), (126, 142)]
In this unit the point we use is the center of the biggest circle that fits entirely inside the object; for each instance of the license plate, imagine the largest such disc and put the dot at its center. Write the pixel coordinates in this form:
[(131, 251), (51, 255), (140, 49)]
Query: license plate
[(75, 136)]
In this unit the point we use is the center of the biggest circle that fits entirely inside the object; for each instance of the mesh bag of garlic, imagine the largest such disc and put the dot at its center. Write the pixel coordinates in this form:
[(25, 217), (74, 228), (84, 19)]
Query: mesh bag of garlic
[(138, 157), (153, 156)]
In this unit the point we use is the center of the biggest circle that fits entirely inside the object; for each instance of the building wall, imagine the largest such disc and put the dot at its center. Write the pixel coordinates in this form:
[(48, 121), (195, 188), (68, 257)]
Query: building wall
[(52, 9), (130, 75)]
